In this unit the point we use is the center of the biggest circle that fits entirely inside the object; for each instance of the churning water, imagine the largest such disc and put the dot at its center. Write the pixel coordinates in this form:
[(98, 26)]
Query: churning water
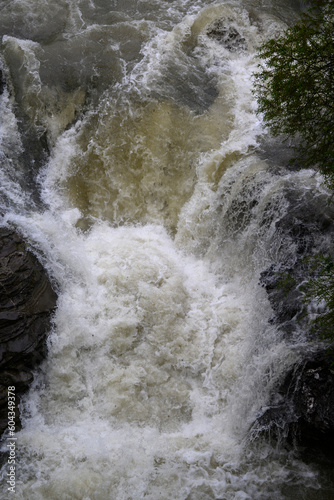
[(130, 160)]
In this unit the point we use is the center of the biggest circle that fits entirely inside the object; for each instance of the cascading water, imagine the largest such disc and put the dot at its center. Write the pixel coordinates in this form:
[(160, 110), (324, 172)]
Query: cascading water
[(154, 211)]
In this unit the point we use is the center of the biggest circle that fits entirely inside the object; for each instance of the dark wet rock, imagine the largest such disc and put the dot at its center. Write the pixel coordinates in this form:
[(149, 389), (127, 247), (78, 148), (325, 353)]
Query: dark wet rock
[(26, 161), (278, 153), (27, 301), (190, 85), (307, 228), (2, 82), (302, 410), (227, 35)]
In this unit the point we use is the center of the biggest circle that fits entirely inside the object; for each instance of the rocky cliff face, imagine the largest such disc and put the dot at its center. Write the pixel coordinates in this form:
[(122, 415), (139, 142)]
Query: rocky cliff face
[(301, 411), (308, 227), (27, 301)]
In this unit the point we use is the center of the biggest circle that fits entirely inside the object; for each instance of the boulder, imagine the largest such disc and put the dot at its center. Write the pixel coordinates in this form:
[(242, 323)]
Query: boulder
[(27, 301), (227, 35)]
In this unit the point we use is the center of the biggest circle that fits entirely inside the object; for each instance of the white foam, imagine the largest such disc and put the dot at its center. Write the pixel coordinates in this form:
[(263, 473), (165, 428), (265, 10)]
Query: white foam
[(160, 353)]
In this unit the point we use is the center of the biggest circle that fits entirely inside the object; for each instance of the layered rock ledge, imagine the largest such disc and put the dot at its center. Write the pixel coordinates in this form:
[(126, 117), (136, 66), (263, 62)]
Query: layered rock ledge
[(27, 301)]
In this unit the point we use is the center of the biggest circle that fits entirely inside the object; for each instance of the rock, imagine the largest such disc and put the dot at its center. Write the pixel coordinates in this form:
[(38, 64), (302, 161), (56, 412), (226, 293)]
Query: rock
[(27, 301), (32, 151), (2, 82), (302, 411), (307, 228), (227, 35)]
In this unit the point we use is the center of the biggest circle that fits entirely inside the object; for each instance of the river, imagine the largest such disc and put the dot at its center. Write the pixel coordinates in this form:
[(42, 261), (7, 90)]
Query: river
[(133, 161)]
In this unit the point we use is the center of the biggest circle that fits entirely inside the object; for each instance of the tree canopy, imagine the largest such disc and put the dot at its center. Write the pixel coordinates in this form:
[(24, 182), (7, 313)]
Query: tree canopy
[(295, 87)]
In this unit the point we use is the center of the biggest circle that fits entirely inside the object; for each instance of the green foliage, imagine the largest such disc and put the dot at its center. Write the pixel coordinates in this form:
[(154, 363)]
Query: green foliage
[(295, 87)]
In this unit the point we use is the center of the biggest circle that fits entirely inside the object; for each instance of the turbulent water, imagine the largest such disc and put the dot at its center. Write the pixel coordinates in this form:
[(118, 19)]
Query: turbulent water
[(132, 159)]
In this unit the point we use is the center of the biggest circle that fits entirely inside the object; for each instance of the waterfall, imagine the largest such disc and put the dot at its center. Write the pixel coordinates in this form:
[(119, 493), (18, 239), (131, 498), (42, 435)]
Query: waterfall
[(134, 163)]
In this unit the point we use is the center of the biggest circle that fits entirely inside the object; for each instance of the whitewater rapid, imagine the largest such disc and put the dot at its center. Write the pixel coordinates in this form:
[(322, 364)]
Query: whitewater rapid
[(155, 217)]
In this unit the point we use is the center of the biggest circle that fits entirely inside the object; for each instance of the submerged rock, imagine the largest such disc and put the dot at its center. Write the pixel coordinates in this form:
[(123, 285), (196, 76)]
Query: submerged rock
[(227, 35), (27, 301)]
